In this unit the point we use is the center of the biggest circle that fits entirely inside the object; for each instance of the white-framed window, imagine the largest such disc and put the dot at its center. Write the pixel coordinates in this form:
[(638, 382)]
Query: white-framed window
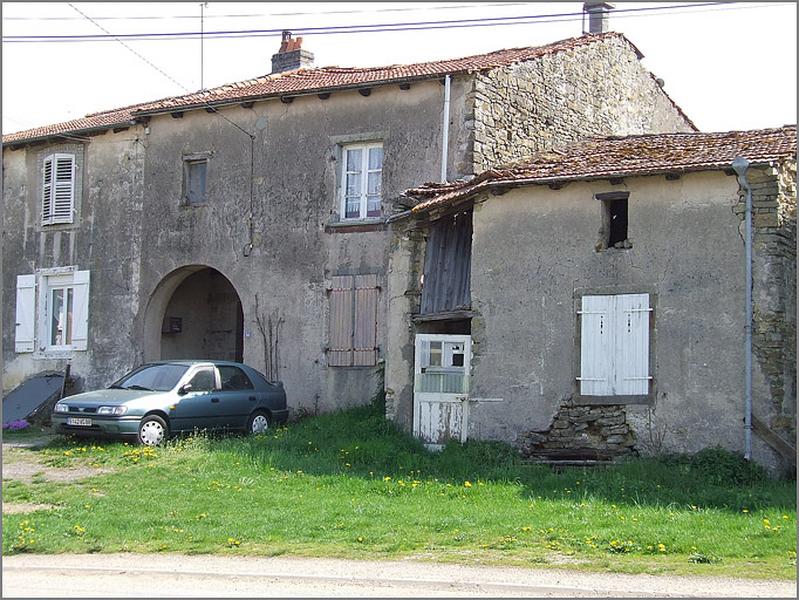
[(361, 177), (614, 345), (58, 189), (57, 318)]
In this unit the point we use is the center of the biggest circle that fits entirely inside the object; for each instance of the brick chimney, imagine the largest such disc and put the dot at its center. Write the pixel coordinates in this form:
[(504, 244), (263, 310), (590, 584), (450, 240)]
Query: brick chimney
[(598, 16), (291, 56)]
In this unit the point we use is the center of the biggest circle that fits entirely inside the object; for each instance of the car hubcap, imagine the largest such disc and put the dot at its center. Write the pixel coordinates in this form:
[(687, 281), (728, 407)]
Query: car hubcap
[(259, 424), (152, 433)]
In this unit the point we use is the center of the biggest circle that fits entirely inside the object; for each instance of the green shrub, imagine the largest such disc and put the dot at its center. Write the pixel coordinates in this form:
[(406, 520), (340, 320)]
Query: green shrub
[(719, 466)]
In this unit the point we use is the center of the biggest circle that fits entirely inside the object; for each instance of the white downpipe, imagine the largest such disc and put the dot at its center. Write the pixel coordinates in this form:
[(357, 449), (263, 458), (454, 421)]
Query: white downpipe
[(740, 166), (445, 130)]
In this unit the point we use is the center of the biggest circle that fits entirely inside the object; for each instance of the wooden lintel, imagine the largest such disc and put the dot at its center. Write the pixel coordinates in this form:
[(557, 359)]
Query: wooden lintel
[(287, 99), (365, 91), (178, 114), (324, 95), (249, 104), (673, 176), (452, 315), (616, 180)]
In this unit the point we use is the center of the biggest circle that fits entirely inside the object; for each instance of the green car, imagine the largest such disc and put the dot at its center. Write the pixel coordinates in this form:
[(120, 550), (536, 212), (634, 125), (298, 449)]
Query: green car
[(166, 397)]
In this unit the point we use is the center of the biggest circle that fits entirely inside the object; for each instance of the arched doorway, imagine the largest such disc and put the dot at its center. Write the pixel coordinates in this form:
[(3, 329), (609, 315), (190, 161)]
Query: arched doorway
[(194, 313)]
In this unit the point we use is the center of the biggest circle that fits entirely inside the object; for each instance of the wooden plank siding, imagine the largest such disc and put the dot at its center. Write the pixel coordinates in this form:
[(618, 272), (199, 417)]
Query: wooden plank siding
[(447, 265)]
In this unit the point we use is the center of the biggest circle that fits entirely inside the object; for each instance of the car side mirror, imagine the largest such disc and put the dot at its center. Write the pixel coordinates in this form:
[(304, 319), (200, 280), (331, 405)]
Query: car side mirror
[(184, 389)]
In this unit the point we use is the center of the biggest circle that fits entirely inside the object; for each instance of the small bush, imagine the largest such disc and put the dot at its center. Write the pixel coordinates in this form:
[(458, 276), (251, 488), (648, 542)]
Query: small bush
[(719, 466)]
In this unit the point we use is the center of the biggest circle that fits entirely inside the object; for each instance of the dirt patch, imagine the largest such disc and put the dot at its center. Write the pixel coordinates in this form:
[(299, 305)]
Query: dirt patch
[(26, 470), (13, 508)]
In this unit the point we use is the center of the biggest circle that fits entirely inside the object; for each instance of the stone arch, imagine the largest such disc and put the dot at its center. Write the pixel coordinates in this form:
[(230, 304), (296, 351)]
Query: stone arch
[(195, 312)]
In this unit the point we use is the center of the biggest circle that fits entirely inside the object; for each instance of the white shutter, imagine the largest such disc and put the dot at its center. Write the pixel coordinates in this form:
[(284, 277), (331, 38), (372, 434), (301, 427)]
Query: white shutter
[(596, 346), (80, 316), (632, 345), (47, 191), (64, 190), (26, 312)]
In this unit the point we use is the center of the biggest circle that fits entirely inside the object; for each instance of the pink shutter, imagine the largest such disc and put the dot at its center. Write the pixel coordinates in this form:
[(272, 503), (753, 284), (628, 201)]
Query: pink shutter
[(340, 343)]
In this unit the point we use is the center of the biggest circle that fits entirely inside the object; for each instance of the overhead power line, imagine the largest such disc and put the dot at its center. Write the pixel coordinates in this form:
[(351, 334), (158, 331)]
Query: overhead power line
[(365, 28)]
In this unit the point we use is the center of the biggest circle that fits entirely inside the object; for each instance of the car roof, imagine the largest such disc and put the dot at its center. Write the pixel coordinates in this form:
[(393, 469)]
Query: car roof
[(190, 363)]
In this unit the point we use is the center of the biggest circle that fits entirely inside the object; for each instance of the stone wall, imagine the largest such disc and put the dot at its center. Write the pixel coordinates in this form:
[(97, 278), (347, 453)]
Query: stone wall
[(587, 432), (773, 294), (598, 89)]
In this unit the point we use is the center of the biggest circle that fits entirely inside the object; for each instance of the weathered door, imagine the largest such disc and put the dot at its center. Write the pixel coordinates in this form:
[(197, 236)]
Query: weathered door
[(441, 388)]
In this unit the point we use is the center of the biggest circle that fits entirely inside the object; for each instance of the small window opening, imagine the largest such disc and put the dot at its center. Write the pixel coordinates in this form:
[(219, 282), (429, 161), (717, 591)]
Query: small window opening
[(613, 233), (194, 184)]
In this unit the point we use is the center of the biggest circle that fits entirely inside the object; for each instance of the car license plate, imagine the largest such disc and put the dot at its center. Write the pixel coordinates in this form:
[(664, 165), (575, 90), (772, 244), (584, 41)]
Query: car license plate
[(79, 421)]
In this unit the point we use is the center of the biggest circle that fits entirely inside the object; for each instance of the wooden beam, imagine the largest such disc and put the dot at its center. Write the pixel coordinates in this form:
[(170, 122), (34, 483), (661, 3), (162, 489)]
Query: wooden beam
[(452, 315), (118, 129), (765, 433), (287, 99), (673, 176), (178, 114), (616, 180), (365, 91), (324, 95), (210, 109), (405, 86), (248, 104)]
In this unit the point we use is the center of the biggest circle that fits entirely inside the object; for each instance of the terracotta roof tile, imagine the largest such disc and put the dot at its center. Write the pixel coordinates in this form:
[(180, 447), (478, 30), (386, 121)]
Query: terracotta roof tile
[(601, 158), (310, 81)]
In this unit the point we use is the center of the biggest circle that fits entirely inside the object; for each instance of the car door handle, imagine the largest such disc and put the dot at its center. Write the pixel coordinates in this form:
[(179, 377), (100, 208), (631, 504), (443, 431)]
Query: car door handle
[(214, 399), (252, 398)]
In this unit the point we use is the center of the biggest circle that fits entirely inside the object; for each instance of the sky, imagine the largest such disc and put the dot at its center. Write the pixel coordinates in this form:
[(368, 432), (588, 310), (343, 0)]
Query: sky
[(729, 66)]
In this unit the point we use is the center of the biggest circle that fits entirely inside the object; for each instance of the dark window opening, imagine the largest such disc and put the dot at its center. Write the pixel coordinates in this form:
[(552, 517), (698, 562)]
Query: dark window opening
[(614, 231), (617, 210)]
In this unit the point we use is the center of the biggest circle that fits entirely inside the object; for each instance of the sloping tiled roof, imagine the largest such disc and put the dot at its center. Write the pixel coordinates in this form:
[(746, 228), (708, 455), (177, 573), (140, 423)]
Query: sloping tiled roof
[(307, 81), (602, 158)]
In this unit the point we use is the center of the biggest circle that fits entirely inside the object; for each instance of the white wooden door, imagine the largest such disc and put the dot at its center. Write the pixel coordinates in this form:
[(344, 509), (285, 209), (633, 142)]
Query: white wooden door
[(441, 388)]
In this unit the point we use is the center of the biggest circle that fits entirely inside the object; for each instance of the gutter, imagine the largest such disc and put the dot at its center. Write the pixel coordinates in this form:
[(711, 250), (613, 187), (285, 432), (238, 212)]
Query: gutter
[(740, 165)]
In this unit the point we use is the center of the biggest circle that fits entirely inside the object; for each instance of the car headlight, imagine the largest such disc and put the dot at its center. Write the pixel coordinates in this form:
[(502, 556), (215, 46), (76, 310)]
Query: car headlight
[(112, 410), (61, 408)]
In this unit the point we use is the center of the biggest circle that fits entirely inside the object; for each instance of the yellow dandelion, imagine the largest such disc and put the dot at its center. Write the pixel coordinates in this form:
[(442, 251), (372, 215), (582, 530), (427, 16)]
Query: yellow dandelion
[(467, 484), (661, 547)]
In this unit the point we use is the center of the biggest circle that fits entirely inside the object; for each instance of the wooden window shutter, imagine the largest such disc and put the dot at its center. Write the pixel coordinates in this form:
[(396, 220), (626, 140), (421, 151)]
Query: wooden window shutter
[(365, 331), (80, 317), (26, 313), (47, 191), (631, 356), (596, 346), (340, 349), (63, 202)]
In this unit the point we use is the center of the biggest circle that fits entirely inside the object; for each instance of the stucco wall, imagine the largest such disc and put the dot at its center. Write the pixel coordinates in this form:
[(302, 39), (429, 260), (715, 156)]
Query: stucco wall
[(597, 89), (104, 239), (533, 254), (297, 247)]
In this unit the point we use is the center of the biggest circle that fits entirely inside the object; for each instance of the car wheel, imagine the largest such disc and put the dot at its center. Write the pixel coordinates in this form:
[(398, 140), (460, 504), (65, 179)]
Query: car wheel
[(153, 430), (258, 423)]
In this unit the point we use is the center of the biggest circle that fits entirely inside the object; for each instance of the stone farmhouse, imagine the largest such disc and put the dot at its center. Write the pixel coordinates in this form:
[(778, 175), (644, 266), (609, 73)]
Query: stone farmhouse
[(589, 301), (250, 221)]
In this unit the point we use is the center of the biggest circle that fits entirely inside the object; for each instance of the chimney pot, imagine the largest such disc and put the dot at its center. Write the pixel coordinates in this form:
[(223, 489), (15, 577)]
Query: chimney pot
[(291, 56), (598, 15)]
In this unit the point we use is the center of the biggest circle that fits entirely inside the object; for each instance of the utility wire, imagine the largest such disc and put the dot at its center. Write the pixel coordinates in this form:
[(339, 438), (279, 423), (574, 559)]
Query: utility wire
[(377, 27), (282, 14), (165, 74)]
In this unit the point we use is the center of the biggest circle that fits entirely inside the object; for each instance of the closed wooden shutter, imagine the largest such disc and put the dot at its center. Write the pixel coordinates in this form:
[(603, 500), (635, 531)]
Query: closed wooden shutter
[(80, 316), (26, 313), (365, 334), (632, 345), (47, 190), (596, 346), (340, 343)]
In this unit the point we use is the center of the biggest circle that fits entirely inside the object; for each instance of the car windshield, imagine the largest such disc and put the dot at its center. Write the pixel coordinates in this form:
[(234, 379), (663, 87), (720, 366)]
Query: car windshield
[(159, 378)]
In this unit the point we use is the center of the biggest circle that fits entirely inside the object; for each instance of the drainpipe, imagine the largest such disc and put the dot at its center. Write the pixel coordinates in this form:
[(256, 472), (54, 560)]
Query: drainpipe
[(740, 166), (445, 130)]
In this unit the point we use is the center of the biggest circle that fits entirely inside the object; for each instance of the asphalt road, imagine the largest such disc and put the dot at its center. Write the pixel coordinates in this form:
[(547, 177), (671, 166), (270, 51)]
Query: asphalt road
[(170, 575)]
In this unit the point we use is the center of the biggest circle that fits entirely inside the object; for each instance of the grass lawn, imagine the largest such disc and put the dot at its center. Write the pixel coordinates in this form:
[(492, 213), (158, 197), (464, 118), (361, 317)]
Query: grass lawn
[(350, 485)]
